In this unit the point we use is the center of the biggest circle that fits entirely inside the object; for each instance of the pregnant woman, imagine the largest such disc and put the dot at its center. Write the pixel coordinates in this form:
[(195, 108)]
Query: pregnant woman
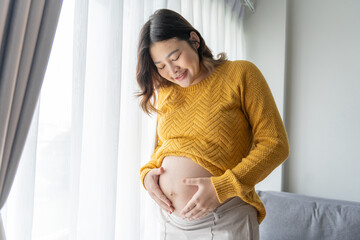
[(218, 133)]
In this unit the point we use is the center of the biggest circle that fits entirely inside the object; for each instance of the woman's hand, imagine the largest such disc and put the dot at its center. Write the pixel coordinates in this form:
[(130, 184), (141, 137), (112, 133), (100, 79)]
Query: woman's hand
[(204, 200), (151, 182)]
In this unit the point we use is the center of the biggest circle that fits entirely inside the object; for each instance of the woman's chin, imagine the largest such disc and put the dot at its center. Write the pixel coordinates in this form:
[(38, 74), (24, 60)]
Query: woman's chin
[(184, 83)]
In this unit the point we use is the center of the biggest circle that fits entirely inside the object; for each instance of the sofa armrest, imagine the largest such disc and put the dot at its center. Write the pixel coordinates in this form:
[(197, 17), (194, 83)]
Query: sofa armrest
[(299, 217)]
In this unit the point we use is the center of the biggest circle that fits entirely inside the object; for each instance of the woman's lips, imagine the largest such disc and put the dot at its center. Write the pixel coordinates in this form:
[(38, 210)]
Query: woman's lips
[(182, 76)]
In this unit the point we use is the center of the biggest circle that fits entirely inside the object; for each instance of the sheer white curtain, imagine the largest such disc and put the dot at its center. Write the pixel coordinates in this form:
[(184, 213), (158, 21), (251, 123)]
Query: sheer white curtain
[(79, 173)]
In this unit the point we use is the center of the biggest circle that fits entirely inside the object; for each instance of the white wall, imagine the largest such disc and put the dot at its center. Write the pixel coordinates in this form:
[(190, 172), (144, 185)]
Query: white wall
[(322, 83), (323, 98)]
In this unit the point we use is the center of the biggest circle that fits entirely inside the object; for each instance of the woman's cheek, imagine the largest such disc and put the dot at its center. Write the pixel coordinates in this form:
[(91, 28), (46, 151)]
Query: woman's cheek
[(162, 74), (166, 76)]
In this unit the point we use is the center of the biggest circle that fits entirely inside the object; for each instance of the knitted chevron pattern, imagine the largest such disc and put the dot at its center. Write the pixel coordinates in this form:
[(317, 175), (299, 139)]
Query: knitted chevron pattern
[(229, 124)]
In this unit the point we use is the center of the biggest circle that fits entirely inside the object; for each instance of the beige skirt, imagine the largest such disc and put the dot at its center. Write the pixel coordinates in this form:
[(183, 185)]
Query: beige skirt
[(233, 220)]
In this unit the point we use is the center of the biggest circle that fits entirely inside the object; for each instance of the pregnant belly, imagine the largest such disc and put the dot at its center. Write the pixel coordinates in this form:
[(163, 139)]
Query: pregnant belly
[(177, 168)]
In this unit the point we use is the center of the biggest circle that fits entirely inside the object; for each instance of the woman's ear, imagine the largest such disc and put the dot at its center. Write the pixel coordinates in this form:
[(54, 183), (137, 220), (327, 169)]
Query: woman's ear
[(195, 39)]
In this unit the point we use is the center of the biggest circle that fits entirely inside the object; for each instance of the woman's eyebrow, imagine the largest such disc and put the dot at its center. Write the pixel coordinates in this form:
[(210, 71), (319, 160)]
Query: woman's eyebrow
[(171, 53)]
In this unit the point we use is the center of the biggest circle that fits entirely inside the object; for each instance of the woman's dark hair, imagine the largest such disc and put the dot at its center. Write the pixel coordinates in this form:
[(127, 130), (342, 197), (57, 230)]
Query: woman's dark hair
[(165, 24)]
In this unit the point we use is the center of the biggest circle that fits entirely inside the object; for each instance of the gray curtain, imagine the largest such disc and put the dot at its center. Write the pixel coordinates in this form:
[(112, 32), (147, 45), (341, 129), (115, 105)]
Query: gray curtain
[(27, 29)]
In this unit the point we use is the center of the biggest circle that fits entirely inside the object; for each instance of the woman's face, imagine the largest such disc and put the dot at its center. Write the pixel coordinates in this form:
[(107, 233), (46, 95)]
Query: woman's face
[(177, 61)]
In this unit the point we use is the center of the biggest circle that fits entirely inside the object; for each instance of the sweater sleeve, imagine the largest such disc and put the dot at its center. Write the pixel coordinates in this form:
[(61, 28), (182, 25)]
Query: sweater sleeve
[(270, 141), (153, 162), (150, 165)]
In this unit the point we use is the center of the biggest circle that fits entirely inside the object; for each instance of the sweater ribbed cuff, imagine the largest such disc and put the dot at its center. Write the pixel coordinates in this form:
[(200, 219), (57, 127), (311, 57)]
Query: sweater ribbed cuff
[(225, 186), (143, 174)]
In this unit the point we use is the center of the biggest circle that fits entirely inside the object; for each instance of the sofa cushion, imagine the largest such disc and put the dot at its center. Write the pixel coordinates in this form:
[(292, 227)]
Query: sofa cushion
[(293, 216)]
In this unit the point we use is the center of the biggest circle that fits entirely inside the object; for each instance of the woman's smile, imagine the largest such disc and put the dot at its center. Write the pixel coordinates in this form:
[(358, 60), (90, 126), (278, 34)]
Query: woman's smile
[(182, 76)]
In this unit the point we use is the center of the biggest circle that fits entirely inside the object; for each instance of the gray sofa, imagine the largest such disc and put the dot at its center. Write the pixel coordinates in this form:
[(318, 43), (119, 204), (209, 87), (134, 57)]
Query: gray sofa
[(297, 217)]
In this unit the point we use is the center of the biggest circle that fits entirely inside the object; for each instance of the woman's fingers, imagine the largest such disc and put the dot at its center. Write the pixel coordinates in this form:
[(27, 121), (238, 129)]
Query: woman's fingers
[(162, 204), (152, 177), (161, 196), (203, 201), (155, 191), (192, 181), (196, 211), (158, 171), (161, 199), (156, 188), (188, 209), (199, 215)]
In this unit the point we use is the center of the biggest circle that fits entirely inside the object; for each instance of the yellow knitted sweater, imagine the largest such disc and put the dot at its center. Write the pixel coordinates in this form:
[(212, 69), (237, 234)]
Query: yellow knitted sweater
[(229, 124)]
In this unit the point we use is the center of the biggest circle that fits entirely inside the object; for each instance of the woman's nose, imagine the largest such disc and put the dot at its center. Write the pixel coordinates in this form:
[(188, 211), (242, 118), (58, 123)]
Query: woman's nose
[(173, 69)]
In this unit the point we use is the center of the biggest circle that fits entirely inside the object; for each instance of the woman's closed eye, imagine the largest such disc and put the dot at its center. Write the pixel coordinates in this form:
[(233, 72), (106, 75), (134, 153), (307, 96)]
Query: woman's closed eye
[(175, 59)]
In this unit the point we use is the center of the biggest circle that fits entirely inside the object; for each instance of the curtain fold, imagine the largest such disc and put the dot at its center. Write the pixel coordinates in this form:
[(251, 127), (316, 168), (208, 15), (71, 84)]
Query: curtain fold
[(27, 29), (89, 137), (100, 121), (78, 71)]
